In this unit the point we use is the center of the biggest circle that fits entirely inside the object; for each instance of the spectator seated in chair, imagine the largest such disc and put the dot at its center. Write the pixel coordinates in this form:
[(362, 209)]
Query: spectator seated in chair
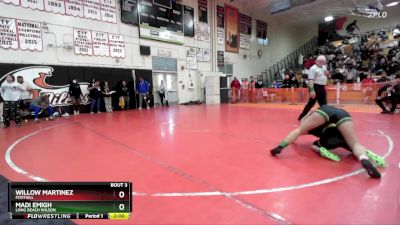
[(40, 105)]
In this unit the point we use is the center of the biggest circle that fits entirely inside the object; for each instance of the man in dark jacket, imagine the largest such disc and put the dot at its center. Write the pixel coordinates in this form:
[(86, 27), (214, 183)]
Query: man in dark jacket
[(392, 96), (75, 93), (94, 94)]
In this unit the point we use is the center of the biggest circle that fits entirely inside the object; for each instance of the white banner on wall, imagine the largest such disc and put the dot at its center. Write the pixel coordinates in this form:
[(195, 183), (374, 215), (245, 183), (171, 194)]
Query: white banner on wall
[(202, 55), (100, 44), (245, 41), (199, 54), (14, 2), (191, 58), (117, 45), (83, 42), (91, 9), (33, 4), (220, 35), (30, 35), (206, 55), (55, 6), (8, 33), (202, 32), (102, 10), (108, 11), (74, 8)]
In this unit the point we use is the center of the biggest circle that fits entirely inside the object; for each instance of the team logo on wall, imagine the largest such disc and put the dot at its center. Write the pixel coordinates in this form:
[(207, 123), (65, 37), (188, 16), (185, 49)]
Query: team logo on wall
[(37, 75)]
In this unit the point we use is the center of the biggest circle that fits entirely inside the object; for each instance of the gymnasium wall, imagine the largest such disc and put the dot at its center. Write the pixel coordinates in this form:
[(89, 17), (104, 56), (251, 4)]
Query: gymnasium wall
[(59, 33)]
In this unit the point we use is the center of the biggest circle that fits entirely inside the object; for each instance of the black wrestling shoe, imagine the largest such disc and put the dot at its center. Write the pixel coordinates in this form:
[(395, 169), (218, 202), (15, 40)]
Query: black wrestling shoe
[(276, 151), (372, 171)]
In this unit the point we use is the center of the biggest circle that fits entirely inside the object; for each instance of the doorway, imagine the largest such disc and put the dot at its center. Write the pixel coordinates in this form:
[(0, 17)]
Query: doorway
[(170, 81)]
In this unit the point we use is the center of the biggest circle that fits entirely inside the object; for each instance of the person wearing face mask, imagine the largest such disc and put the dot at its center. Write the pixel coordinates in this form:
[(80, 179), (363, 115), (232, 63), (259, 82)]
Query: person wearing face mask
[(317, 76), (75, 93)]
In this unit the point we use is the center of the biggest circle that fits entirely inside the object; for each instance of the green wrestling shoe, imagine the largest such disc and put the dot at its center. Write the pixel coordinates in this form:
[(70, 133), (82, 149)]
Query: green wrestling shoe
[(376, 159), (328, 154)]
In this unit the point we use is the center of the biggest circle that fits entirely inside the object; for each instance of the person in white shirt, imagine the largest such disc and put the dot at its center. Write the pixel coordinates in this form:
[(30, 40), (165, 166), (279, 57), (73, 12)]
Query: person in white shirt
[(26, 96), (162, 91), (317, 76), (11, 92)]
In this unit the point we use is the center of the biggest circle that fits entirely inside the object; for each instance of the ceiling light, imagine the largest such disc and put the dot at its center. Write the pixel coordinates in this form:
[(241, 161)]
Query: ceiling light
[(328, 18), (392, 4)]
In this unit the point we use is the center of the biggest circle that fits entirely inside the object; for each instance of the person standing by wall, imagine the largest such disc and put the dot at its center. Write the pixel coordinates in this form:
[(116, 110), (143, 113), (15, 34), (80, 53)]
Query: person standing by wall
[(142, 90), (11, 92), (106, 91), (252, 90), (162, 92), (317, 76), (26, 96), (75, 93), (94, 94), (245, 90), (123, 95), (235, 86)]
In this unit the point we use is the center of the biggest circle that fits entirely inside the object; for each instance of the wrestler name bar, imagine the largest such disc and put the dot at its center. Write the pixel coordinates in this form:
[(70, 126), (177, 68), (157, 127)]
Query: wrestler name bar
[(67, 216), (65, 200)]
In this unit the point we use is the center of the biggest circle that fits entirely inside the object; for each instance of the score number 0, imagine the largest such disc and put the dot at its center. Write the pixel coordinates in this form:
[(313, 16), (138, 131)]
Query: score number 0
[(121, 206)]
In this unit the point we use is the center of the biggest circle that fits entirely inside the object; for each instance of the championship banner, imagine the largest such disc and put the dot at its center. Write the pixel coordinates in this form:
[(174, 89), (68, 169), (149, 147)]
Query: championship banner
[(245, 31), (55, 6), (220, 58), (220, 25), (8, 33), (108, 11), (100, 44), (14, 2), (117, 45), (102, 10), (74, 8), (203, 15), (262, 28), (91, 9), (33, 4), (232, 29), (30, 35), (83, 42), (202, 32)]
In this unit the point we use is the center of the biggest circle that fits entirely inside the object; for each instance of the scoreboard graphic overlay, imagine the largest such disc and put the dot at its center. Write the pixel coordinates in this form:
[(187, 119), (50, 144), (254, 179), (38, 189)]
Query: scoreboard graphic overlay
[(66, 200)]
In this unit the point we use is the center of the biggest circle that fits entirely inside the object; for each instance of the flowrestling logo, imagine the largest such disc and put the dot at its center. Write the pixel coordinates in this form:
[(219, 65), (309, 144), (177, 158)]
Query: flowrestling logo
[(372, 13), (37, 75)]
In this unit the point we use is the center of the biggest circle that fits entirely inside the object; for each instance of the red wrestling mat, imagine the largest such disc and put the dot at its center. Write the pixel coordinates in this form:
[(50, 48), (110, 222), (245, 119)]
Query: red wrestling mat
[(211, 165)]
